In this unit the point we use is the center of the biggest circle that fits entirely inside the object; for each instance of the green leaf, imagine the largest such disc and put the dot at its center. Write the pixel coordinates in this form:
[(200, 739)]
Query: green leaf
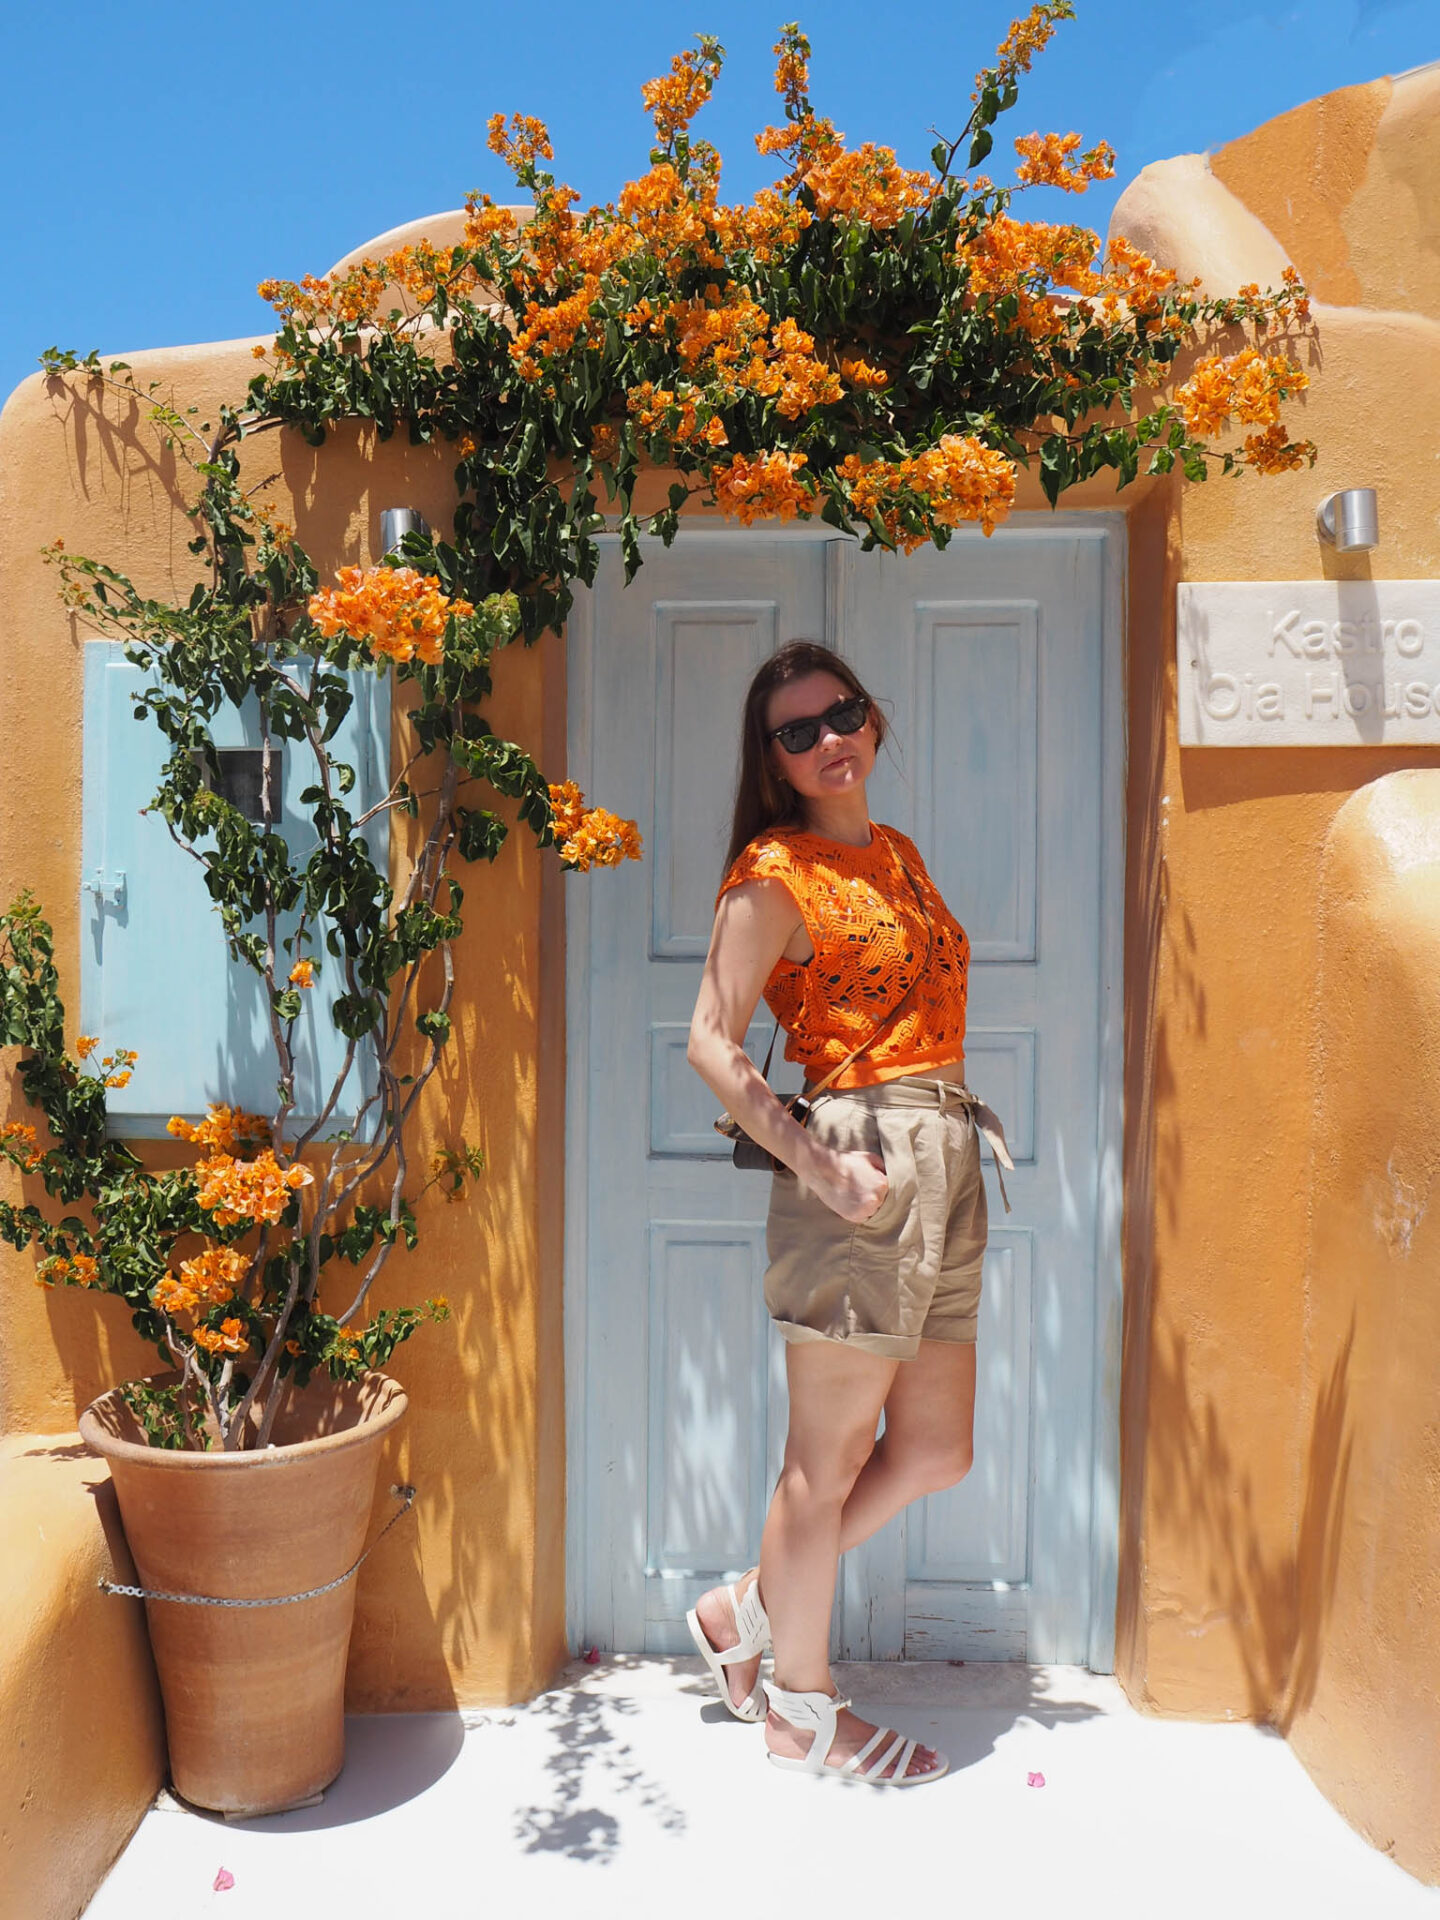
[(481, 834), (355, 1014)]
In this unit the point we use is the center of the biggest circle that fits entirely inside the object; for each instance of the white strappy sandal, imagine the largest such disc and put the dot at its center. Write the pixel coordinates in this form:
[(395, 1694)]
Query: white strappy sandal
[(753, 1626), (821, 1711)]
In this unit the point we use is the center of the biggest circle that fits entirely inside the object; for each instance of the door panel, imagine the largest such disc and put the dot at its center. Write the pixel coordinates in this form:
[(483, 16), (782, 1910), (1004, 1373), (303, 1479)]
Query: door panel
[(685, 1410), (974, 724), (1001, 698), (706, 653)]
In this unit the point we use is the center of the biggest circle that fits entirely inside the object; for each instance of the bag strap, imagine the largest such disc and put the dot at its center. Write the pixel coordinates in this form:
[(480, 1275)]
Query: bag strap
[(899, 1007)]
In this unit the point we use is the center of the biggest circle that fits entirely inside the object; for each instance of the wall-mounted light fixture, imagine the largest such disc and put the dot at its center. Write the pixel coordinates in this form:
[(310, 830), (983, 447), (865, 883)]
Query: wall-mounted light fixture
[(396, 522), (1349, 521)]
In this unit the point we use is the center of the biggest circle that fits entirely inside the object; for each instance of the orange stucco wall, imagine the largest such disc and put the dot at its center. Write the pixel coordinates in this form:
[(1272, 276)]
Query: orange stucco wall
[(1365, 1715), (467, 1604), (1240, 1553), (1245, 1571), (84, 1746)]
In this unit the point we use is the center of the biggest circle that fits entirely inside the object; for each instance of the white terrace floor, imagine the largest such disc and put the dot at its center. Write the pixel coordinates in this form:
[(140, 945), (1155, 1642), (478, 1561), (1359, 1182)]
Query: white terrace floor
[(627, 1792)]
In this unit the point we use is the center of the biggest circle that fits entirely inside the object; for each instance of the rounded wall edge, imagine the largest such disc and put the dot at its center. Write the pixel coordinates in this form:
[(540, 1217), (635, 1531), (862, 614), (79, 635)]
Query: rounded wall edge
[(1363, 1706)]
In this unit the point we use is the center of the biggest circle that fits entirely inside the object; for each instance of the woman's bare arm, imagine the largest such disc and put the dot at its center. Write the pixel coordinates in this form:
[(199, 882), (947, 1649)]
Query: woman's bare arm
[(754, 923)]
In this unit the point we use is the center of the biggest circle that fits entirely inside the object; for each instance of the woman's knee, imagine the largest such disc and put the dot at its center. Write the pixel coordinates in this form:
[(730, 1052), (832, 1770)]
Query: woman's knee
[(826, 1473), (932, 1464)]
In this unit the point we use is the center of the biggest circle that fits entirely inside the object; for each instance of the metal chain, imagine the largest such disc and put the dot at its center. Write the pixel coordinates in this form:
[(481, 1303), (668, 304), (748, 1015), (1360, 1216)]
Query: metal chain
[(406, 1496)]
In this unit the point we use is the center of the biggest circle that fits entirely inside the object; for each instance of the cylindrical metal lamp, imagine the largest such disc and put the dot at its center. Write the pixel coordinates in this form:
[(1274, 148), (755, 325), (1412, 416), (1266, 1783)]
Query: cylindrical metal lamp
[(396, 522), (1349, 521)]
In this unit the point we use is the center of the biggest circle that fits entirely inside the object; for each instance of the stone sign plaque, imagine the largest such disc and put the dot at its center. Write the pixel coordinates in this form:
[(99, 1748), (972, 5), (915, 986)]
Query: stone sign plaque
[(1309, 663)]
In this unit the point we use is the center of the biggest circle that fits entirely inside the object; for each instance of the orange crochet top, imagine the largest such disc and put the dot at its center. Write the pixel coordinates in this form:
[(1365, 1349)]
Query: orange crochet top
[(870, 939)]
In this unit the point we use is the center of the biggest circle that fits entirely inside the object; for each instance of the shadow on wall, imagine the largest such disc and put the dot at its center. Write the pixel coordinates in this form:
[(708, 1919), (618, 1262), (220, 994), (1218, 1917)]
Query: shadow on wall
[(1149, 1077), (1210, 1501)]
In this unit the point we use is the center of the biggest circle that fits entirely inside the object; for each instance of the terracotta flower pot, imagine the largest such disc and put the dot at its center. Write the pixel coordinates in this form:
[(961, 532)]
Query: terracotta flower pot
[(254, 1696)]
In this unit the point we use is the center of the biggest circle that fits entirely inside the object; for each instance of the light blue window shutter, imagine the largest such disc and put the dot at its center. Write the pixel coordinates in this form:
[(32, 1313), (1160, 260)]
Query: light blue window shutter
[(155, 973)]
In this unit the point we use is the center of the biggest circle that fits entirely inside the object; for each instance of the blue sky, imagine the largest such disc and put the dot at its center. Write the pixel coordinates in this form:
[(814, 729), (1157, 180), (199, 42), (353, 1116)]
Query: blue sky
[(161, 160)]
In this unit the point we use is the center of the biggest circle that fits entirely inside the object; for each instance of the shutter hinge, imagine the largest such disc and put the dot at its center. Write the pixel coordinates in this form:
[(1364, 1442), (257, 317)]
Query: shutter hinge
[(108, 889)]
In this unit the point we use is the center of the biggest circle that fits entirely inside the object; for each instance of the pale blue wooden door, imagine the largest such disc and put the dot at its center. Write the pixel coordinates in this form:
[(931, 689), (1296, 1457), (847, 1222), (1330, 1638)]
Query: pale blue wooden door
[(155, 973), (989, 659)]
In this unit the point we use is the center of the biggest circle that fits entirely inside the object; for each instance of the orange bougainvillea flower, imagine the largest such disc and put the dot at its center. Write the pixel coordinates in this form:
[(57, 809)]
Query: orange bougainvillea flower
[(223, 1129), (230, 1337), (257, 1189), (792, 71), (214, 1275), (485, 222), (1274, 452), (1005, 255), (867, 184), (590, 837), (960, 479), (1045, 161), (394, 610), (19, 1136), (1248, 386), (81, 1269), (1025, 39), (302, 974), (525, 141), (750, 487), (85, 1045), (173, 1297), (1135, 278), (568, 805), (601, 840), (860, 373), (676, 98)]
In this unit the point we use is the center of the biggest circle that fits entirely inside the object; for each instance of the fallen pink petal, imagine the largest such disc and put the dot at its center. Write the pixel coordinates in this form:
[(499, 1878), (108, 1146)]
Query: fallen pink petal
[(592, 1656), (224, 1880), (1034, 1779)]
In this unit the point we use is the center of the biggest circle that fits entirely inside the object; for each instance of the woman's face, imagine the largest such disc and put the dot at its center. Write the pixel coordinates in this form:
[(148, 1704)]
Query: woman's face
[(838, 762)]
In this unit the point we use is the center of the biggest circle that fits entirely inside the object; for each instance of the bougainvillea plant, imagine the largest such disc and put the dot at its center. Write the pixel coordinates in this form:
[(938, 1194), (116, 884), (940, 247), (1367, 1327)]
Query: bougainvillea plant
[(878, 346), (221, 1262)]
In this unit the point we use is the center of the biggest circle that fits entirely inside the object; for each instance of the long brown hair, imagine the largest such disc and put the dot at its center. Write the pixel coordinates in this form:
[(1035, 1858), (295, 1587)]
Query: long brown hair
[(762, 800)]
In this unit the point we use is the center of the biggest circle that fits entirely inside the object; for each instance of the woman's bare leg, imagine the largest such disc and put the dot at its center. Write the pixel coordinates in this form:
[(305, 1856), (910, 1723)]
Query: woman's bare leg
[(928, 1443), (836, 1395)]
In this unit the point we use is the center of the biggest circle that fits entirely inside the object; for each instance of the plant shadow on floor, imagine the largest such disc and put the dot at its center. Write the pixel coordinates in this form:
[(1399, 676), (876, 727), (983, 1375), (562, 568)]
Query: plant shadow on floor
[(591, 1757)]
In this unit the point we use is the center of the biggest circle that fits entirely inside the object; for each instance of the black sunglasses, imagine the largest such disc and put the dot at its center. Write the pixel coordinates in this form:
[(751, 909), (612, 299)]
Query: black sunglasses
[(846, 716)]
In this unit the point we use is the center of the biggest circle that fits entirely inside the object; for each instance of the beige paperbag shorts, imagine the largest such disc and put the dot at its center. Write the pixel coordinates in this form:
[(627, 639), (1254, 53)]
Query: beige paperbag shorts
[(911, 1272)]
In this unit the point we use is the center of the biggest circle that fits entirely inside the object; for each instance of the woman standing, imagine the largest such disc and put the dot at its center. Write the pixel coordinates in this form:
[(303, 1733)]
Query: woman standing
[(877, 1220)]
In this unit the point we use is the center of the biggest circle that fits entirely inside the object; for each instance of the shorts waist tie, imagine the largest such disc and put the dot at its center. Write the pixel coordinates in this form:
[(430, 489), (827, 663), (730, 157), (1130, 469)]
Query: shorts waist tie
[(918, 1091)]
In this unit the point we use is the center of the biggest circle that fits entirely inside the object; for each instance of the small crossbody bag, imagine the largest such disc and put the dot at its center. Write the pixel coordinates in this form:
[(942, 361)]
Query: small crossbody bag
[(748, 1154)]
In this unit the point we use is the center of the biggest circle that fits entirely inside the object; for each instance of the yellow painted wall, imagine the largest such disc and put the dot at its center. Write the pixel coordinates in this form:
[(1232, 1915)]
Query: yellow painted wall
[(1244, 1560), (467, 1602)]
